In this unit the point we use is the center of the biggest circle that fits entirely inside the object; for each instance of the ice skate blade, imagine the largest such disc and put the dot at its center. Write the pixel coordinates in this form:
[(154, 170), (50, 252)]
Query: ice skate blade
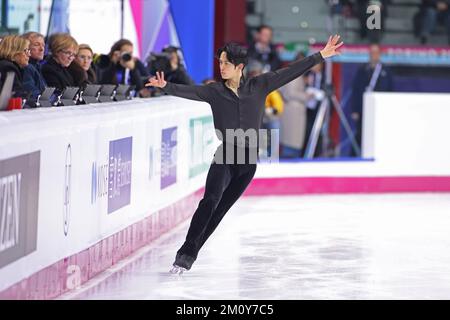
[(177, 270)]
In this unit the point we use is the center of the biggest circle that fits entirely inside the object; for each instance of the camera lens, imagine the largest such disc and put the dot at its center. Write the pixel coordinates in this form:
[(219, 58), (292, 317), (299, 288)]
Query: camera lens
[(126, 57)]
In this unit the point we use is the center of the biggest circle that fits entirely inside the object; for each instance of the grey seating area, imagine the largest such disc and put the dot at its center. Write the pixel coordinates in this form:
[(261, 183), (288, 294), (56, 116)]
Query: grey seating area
[(310, 21)]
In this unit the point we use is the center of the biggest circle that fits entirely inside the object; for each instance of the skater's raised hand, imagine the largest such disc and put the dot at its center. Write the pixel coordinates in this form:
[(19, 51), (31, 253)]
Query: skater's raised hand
[(157, 81), (331, 47)]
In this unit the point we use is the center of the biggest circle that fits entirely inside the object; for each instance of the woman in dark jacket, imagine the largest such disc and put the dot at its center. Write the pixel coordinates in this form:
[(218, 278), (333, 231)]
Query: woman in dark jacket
[(64, 48), (81, 68), (14, 57)]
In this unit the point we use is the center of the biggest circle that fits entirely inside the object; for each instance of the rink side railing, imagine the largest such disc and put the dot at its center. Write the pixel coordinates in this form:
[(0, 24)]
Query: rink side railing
[(83, 187)]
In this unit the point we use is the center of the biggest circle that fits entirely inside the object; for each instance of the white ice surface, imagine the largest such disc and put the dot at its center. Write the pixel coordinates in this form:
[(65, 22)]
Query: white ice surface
[(385, 246)]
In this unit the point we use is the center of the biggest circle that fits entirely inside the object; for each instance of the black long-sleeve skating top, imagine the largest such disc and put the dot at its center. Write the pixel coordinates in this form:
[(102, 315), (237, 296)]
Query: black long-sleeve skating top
[(246, 110)]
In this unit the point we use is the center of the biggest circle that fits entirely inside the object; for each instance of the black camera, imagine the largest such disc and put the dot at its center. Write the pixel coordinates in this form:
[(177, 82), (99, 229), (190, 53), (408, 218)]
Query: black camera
[(126, 56), (159, 62)]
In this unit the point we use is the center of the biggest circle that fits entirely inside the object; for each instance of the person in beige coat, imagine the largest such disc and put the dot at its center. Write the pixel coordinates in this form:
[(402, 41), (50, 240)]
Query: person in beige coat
[(293, 119)]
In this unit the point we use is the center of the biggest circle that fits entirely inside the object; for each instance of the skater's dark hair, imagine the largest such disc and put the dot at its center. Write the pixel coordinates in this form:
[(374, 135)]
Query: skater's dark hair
[(236, 53)]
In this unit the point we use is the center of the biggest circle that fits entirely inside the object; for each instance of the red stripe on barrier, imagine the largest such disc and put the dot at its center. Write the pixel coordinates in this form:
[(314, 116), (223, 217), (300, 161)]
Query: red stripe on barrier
[(59, 277), (331, 185)]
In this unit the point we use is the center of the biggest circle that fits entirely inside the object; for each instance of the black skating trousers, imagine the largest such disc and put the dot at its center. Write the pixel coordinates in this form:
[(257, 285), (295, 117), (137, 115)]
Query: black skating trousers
[(225, 183)]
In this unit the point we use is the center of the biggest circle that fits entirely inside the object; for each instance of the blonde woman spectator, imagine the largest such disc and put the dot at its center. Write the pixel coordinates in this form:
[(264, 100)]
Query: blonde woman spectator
[(64, 49), (81, 68), (14, 57)]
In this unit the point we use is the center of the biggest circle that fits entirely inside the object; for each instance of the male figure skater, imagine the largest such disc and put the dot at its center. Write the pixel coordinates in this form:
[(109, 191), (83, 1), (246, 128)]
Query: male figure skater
[(237, 105)]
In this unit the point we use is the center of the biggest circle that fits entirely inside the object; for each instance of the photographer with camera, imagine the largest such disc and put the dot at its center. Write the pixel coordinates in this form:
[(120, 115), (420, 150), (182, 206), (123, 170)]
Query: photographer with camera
[(121, 67), (169, 61)]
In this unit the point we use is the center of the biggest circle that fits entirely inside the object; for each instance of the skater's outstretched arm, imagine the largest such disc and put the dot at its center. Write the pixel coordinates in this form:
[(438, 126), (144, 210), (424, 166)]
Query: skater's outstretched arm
[(276, 79), (192, 92)]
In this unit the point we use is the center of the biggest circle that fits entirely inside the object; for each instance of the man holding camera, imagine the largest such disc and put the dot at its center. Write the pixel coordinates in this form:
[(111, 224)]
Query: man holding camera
[(120, 67)]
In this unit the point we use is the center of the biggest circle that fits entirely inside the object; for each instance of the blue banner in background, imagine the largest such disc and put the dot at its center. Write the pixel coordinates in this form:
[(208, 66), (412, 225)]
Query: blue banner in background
[(59, 17), (195, 29)]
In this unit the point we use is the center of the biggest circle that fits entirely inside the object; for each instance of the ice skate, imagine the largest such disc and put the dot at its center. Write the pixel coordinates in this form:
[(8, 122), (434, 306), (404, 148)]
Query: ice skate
[(177, 270), (182, 263)]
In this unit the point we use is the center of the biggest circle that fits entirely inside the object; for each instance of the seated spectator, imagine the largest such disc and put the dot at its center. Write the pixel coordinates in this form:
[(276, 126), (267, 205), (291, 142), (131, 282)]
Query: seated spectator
[(431, 12), (263, 51), (82, 69), (33, 81), (63, 49), (14, 57), (121, 67)]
